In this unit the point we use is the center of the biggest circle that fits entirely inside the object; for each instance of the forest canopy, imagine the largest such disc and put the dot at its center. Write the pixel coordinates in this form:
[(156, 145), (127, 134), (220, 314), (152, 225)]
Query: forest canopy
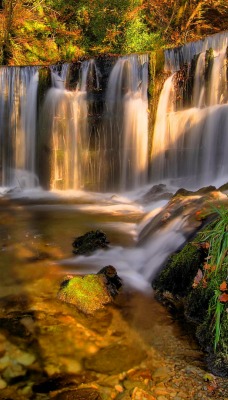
[(48, 31)]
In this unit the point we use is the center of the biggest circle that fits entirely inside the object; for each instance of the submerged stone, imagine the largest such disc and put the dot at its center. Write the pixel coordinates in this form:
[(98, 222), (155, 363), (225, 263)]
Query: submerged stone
[(79, 394), (92, 292), (115, 358), (90, 242)]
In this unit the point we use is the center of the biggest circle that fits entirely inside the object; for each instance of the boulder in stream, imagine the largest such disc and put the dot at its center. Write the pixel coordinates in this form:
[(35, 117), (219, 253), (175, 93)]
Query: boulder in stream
[(90, 242), (91, 292)]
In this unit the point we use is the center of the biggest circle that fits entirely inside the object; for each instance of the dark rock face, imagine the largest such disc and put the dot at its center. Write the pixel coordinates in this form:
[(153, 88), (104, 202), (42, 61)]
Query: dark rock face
[(58, 382), (178, 275), (90, 242), (113, 281)]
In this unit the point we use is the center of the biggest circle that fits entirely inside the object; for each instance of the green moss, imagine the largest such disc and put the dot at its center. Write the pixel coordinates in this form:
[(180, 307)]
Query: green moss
[(205, 302), (180, 271), (88, 293)]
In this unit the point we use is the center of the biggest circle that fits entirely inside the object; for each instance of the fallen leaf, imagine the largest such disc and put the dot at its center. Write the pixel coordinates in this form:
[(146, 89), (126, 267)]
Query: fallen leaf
[(197, 278), (204, 283), (211, 388), (223, 298), (223, 286)]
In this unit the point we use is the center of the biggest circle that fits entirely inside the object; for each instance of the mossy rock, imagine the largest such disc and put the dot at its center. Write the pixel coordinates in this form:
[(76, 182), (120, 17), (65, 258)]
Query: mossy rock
[(91, 292), (178, 275), (90, 242), (196, 304)]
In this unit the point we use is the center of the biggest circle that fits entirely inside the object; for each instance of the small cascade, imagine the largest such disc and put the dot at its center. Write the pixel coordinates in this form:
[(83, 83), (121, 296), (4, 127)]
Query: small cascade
[(18, 108), (85, 125), (127, 132), (67, 126), (190, 136)]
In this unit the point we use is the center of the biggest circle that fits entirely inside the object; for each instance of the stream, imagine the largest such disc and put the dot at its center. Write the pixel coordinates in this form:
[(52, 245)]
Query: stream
[(134, 348)]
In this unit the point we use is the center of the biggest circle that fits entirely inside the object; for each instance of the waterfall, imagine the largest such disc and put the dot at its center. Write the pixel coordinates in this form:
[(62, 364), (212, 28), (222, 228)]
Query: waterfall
[(190, 140), (18, 90), (66, 124), (87, 126), (127, 106)]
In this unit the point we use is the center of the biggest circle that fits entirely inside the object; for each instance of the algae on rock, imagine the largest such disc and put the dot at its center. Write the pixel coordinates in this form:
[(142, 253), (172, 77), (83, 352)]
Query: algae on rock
[(91, 292)]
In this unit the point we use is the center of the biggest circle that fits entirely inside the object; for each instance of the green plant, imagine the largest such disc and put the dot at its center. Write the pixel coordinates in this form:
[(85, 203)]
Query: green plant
[(216, 271)]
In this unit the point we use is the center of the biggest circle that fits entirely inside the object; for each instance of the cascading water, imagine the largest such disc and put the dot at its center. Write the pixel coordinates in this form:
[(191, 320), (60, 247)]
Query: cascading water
[(190, 137), (127, 105), (67, 126), (18, 107)]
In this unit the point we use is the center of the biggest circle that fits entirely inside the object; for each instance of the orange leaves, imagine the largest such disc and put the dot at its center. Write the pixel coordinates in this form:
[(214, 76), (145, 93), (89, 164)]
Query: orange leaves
[(209, 267), (223, 286), (223, 298)]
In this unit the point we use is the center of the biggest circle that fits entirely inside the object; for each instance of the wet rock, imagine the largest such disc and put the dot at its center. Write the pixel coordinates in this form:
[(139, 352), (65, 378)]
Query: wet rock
[(139, 394), (13, 371), (200, 192), (223, 188), (157, 192), (161, 374), (90, 242), (92, 292), (79, 394), (14, 324), (177, 277), (3, 384), (183, 192), (114, 359), (61, 381)]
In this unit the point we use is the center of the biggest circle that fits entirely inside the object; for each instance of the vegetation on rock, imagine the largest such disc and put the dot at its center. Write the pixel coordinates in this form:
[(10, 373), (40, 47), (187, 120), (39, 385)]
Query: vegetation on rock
[(90, 293), (198, 274)]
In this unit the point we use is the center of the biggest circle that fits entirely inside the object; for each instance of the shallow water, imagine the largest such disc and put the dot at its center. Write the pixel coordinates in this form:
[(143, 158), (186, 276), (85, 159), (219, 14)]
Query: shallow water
[(47, 348)]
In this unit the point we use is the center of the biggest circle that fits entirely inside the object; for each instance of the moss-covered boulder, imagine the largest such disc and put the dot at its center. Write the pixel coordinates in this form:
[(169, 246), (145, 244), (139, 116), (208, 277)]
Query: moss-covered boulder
[(90, 242), (92, 292), (181, 268)]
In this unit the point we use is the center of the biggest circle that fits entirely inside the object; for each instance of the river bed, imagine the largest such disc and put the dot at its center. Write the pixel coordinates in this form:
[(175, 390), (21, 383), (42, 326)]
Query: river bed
[(133, 349)]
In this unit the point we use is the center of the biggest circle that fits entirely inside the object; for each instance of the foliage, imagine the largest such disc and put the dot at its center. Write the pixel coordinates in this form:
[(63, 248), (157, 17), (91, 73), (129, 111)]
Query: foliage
[(201, 284), (47, 31), (216, 272)]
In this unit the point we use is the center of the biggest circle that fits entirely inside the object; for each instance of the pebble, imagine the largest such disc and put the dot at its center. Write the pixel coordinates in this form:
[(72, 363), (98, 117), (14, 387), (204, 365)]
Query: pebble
[(3, 384), (161, 374), (25, 359), (139, 394)]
